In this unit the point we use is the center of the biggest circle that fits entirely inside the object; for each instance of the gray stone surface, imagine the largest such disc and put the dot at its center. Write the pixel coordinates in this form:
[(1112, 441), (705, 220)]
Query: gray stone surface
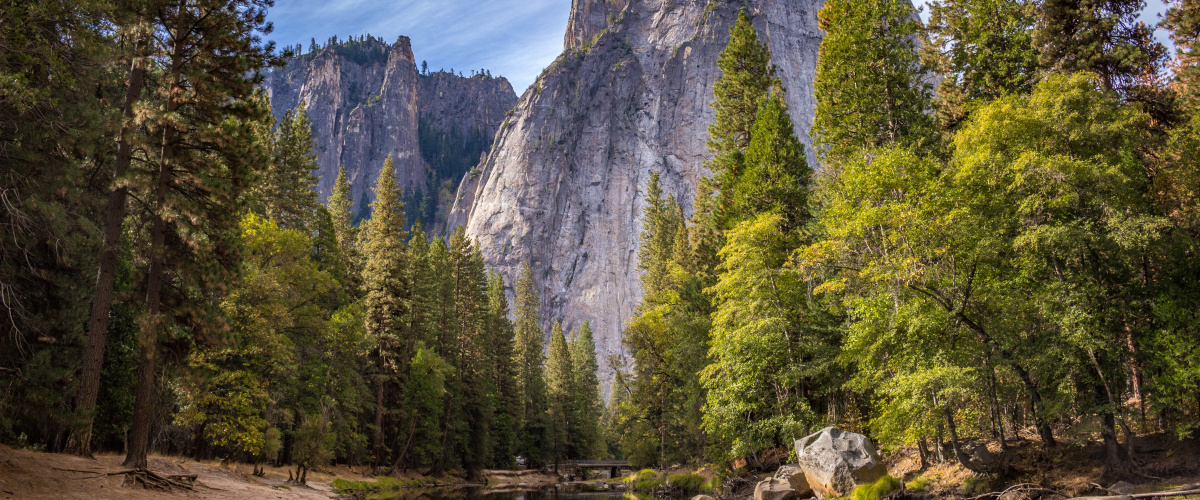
[(774, 489), (366, 107), (836, 461), (794, 475), (563, 187)]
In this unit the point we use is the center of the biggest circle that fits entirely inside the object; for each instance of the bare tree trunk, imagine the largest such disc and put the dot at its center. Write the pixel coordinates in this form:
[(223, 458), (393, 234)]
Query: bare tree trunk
[(958, 453), (143, 407), (80, 440), (379, 411), (923, 451)]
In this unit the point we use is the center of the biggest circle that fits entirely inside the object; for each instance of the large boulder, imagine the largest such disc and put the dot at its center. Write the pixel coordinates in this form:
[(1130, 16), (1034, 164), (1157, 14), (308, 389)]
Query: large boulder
[(836, 461), (794, 475), (774, 489)]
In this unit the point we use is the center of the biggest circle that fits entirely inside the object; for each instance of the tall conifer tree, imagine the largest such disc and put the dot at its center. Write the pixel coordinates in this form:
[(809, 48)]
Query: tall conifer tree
[(193, 185), (387, 287), (870, 85), (560, 387), (530, 358), (586, 442)]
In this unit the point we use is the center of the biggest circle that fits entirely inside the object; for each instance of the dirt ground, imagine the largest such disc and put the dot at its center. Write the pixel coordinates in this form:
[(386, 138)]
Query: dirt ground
[(1069, 470), (32, 475)]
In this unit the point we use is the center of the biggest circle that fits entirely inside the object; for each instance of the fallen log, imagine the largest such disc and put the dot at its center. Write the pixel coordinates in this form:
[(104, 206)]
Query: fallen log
[(1186, 491)]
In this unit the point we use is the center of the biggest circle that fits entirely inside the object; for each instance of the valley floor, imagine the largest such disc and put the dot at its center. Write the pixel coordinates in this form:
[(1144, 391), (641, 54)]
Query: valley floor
[(33, 475)]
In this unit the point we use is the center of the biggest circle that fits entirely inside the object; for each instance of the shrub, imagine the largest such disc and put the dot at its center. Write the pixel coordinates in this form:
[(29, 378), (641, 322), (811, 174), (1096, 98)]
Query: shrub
[(690, 483), (877, 490), (643, 480)]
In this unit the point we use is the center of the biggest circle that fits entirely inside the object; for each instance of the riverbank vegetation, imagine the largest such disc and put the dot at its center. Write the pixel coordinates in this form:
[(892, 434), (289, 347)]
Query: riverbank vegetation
[(999, 239)]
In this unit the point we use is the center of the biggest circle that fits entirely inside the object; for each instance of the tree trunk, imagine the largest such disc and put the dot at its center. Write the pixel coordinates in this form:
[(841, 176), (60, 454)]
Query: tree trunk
[(940, 448), (143, 407), (923, 451), (379, 412), (80, 440), (958, 453)]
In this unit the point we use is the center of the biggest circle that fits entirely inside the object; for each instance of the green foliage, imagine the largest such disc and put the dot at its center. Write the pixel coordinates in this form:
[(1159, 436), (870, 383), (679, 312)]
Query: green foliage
[(870, 85), (586, 439), (746, 75), (776, 176), (983, 48), (286, 190), (560, 390), (643, 480), (767, 344), (878, 490), (531, 380), (688, 482), (1103, 37), (426, 388)]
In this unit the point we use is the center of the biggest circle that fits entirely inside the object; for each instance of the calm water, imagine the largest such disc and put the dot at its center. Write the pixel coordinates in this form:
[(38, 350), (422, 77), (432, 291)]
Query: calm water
[(550, 493)]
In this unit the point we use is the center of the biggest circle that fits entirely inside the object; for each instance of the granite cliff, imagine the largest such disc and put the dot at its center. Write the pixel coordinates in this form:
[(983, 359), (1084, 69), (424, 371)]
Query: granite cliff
[(367, 100), (563, 185)]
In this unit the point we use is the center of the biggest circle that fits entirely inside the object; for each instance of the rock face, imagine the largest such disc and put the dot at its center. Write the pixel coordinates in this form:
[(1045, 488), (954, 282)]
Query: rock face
[(563, 187), (367, 100), (836, 461)]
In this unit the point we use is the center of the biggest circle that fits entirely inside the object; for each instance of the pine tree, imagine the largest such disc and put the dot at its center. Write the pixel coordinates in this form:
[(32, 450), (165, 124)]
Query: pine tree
[(191, 189), (1183, 22), (509, 407), (746, 74), (560, 389), (287, 191), (340, 209), (870, 85), (586, 441), (477, 363), (1104, 37), (387, 291), (55, 131), (777, 175), (983, 49), (530, 358)]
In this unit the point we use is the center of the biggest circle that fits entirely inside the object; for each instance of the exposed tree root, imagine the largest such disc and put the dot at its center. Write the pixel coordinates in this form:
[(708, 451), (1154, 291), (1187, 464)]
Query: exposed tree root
[(153, 481)]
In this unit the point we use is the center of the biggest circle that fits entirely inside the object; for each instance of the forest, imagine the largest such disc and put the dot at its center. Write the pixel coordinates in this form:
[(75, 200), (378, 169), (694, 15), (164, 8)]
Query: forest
[(1000, 240), (172, 284), (993, 235)]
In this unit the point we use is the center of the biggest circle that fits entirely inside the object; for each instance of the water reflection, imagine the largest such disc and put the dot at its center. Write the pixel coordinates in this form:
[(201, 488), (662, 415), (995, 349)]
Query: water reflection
[(565, 492)]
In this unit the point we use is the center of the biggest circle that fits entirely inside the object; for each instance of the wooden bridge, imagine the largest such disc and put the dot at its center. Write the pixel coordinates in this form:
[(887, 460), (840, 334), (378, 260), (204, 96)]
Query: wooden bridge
[(614, 466)]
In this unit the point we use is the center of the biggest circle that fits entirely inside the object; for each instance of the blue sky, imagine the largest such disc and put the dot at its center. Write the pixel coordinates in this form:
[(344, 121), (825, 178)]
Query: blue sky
[(511, 38)]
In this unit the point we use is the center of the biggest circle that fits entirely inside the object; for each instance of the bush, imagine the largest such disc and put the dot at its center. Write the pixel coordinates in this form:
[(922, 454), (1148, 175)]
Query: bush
[(918, 485), (877, 490), (687, 482)]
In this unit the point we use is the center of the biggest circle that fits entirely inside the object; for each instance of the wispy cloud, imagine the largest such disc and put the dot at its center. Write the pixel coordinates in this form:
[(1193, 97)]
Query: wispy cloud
[(511, 38)]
